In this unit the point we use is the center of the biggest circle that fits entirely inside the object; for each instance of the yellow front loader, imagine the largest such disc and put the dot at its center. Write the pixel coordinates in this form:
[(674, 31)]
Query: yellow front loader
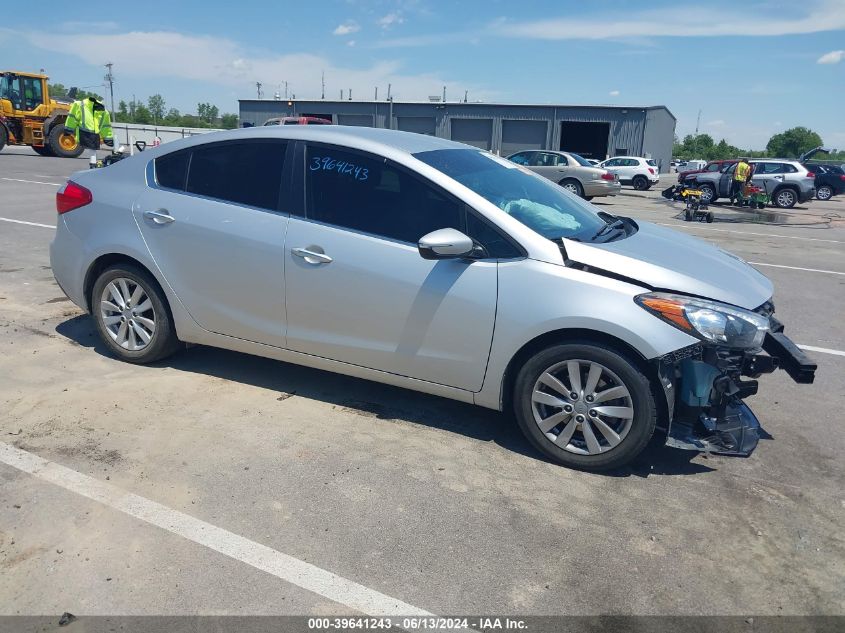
[(28, 116)]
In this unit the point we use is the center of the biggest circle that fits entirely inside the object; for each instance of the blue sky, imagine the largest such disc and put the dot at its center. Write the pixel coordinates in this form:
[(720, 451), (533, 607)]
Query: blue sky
[(753, 68)]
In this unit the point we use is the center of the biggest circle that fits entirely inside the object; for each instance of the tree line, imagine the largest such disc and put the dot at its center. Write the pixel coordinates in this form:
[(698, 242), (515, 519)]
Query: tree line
[(156, 112), (788, 144)]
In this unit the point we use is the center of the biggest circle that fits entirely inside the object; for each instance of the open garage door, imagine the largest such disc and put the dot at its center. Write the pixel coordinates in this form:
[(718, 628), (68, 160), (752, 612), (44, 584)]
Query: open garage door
[(361, 120), (477, 132), (519, 135), (588, 139), (416, 124)]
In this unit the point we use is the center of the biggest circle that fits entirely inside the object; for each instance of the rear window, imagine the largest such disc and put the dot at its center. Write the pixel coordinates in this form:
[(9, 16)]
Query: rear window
[(172, 170), (651, 162), (581, 160), (242, 172)]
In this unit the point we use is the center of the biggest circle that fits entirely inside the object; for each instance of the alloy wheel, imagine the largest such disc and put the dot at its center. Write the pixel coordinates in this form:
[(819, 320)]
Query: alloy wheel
[(127, 314), (582, 407), (824, 193), (786, 199)]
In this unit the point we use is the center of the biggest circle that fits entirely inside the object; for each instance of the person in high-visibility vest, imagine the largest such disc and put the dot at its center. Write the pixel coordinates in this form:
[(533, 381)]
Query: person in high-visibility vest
[(89, 121), (742, 174)]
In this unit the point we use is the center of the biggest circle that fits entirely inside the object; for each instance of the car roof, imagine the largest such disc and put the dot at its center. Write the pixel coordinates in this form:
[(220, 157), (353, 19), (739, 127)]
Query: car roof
[(377, 140)]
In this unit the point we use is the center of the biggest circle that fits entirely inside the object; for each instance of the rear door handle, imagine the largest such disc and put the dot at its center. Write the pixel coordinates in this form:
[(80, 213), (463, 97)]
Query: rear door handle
[(161, 216), (312, 257)]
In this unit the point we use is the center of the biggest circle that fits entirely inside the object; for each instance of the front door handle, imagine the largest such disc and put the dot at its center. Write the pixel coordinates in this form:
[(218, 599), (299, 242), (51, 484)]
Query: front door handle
[(162, 216), (312, 257)]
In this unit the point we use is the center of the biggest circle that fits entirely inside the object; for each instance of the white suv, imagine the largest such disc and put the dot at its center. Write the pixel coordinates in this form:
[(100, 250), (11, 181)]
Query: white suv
[(641, 173)]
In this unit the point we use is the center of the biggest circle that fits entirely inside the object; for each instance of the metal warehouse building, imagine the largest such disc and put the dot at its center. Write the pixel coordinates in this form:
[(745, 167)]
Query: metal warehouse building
[(592, 131)]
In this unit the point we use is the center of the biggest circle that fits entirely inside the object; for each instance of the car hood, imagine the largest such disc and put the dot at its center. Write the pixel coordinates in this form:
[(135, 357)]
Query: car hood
[(664, 259)]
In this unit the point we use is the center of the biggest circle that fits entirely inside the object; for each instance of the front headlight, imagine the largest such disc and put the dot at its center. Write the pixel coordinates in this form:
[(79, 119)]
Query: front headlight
[(710, 321)]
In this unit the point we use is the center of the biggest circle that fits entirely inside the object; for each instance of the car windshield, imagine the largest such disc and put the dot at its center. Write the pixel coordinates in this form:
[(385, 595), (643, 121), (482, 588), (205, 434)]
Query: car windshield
[(581, 160), (540, 204)]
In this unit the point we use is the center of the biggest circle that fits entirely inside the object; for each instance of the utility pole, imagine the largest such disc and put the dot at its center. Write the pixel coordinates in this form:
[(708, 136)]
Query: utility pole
[(466, 92), (110, 80), (350, 94), (341, 94), (444, 94), (376, 97), (697, 123), (258, 88), (323, 84)]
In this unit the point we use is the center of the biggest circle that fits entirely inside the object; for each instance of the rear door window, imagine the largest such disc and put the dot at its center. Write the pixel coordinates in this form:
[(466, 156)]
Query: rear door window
[(172, 170), (243, 172), (523, 158)]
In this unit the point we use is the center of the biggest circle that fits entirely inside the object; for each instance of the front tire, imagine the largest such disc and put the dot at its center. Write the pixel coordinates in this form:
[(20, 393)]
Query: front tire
[(585, 406), (132, 315), (63, 145), (43, 150), (825, 192), (640, 183), (708, 193)]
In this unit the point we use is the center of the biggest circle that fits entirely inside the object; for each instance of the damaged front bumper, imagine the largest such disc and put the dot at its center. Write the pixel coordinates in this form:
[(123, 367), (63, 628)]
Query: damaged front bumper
[(705, 389)]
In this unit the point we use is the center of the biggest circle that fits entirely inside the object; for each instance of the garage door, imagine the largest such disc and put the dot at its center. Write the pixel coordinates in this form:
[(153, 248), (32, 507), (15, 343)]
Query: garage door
[(362, 120), (418, 124), (586, 138), (477, 132), (519, 135)]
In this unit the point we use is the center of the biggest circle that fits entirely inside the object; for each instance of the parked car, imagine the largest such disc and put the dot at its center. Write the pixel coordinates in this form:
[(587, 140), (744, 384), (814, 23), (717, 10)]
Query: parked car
[(713, 165), (641, 173), (571, 171), (830, 180), (593, 162), (427, 264), (788, 182), (297, 120)]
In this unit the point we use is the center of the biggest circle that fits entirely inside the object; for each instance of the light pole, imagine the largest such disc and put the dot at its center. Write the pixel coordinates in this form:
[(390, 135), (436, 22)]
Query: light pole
[(110, 80)]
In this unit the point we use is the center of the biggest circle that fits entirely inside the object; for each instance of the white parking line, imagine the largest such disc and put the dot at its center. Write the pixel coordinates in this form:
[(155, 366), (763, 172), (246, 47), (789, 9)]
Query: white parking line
[(822, 350), (809, 270), (785, 237), (46, 226), (34, 182), (288, 568)]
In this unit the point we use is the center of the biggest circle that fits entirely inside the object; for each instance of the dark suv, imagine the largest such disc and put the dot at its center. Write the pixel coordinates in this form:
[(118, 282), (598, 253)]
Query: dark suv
[(712, 166), (830, 180)]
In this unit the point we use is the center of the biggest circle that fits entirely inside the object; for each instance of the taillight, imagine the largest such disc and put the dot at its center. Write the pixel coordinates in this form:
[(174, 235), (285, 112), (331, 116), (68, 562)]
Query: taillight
[(608, 176), (842, 177), (810, 174), (650, 170), (72, 197)]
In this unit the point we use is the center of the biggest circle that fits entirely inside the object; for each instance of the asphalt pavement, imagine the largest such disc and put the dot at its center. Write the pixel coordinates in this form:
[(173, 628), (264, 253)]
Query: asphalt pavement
[(220, 483)]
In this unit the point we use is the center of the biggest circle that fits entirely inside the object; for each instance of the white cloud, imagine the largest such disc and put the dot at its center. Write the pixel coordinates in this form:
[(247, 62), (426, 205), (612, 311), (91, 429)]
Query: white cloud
[(823, 15), (225, 63), (833, 57), (716, 123), (613, 93), (346, 28), (390, 20), (351, 43)]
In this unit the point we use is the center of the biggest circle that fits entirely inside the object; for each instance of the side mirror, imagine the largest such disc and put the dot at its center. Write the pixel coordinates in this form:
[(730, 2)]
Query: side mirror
[(445, 244)]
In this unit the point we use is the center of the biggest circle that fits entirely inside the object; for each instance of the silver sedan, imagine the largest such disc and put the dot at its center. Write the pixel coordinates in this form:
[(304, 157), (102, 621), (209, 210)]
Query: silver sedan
[(431, 265)]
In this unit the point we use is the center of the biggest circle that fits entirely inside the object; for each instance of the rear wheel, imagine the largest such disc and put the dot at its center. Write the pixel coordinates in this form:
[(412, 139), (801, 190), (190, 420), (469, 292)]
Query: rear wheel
[(132, 315), (3, 138), (585, 406), (44, 150), (785, 198), (825, 192), (62, 144), (640, 183), (573, 186)]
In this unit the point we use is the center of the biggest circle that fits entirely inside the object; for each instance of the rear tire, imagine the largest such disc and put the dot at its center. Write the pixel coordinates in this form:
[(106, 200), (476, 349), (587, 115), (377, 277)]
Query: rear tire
[(3, 137), (825, 192), (640, 183), (61, 145), (587, 436), (572, 186), (785, 198), (43, 150), (140, 333)]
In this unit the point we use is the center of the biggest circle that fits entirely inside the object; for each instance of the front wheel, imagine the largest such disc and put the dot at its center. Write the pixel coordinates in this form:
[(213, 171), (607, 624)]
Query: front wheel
[(708, 193), (43, 150), (824, 192), (585, 406), (62, 144), (132, 316)]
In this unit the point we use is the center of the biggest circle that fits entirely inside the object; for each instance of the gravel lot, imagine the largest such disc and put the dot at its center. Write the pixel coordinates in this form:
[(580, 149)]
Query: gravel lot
[(437, 504)]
